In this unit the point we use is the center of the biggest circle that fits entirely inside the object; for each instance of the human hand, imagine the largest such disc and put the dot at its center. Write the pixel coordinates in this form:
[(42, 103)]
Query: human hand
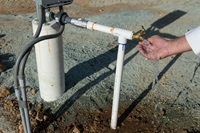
[(154, 48)]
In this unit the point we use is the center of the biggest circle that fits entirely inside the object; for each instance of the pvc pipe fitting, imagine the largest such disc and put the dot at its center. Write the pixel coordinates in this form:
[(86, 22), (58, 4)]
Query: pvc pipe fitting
[(114, 31)]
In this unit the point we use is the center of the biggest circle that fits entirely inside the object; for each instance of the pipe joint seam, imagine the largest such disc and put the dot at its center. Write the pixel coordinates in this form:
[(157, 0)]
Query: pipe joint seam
[(122, 40), (21, 82), (22, 104)]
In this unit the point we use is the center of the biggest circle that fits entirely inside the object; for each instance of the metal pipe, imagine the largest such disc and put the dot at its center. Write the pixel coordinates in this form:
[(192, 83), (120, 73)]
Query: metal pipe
[(25, 108), (18, 95)]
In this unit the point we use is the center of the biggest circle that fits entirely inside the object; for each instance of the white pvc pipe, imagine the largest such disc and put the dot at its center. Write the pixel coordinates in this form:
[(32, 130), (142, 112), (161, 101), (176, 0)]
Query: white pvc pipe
[(50, 66), (118, 76), (114, 31)]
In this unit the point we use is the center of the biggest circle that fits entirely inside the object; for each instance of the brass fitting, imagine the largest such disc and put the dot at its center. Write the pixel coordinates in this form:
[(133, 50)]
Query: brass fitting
[(139, 35)]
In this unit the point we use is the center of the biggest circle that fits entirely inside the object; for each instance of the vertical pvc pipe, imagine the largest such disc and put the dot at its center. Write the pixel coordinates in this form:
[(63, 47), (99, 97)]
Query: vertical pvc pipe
[(50, 65), (118, 76)]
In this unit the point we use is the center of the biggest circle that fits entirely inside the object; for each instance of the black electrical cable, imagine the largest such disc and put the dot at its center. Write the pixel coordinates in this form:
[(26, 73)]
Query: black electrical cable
[(21, 93), (19, 75), (17, 65), (29, 46), (22, 74), (37, 33)]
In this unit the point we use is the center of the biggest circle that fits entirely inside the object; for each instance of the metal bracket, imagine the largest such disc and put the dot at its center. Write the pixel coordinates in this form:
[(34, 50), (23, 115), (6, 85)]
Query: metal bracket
[(53, 3)]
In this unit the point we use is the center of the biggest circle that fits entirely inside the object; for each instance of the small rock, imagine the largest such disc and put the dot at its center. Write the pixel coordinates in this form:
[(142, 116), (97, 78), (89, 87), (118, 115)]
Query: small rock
[(18, 116), (67, 113), (99, 111), (184, 131), (76, 130), (69, 127), (35, 130), (21, 130), (30, 112), (39, 107), (39, 116), (45, 117), (50, 129), (2, 67), (33, 113), (4, 92), (101, 10), (59, 119), (1, 112), (2, 42), (33, 91), (33, 122)]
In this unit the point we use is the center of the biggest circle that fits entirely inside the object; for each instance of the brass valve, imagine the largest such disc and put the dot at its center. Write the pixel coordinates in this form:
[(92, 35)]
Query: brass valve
[(139, 35)]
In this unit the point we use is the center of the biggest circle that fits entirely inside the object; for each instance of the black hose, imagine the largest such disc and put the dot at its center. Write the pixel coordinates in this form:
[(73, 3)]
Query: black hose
[(20, 68), (29, 47), (37, 33), (24, 111)]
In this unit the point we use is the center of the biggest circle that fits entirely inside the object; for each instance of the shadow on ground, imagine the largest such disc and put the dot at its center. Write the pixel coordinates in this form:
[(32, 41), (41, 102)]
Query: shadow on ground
[(154, 30), (2, 35), (6, 59), (87, 68)]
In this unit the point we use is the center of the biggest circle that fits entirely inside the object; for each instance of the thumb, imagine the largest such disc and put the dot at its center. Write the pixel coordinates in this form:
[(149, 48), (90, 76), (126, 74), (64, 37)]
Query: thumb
[(153, 38)]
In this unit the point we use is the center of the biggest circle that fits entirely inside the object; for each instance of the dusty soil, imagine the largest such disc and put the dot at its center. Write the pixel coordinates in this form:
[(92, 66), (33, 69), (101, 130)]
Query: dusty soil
[(173, 105)]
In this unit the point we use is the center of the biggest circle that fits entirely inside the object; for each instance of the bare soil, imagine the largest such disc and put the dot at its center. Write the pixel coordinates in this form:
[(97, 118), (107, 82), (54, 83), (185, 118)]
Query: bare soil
[(86, 106)]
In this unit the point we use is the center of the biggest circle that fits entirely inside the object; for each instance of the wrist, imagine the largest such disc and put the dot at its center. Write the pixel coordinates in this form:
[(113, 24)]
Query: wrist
[(178, 45), (169, 48)]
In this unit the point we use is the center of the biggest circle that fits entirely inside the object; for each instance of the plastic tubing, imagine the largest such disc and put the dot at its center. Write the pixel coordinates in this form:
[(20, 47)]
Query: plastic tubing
[(118, 77)]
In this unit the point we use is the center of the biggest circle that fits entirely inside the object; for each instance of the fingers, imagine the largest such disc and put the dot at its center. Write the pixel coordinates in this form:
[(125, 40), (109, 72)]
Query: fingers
[(142, 51), (153, 39), (154, 48), (146, 46), (147, 52)]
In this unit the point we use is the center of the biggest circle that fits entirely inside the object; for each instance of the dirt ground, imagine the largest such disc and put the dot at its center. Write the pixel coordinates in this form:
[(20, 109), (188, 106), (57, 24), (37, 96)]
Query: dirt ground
[(171, 106)]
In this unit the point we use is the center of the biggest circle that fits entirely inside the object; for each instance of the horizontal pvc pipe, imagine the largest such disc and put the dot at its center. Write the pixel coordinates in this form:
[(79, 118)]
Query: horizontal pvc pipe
[(114, 31), (118, 78), (102, 28), (50, 65)]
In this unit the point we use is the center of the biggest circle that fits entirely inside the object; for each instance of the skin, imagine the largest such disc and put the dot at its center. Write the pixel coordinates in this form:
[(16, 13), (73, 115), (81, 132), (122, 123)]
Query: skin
[(156, 47)]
